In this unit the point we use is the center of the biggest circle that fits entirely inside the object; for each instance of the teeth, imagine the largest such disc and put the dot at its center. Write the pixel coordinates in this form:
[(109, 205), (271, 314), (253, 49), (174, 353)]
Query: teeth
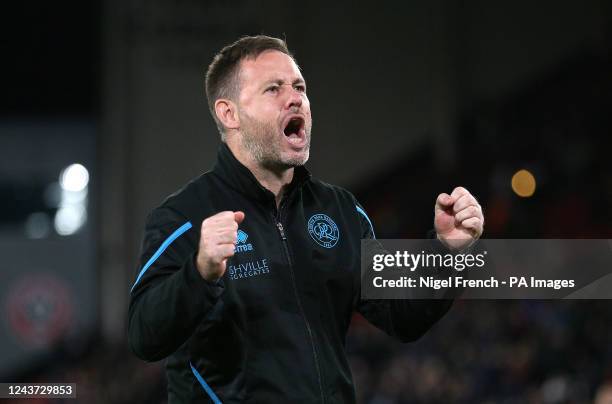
[(294, 139)]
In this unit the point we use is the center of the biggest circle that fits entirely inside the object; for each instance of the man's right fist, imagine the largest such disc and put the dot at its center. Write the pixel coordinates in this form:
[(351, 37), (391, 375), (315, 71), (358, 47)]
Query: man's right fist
[(218, 236)]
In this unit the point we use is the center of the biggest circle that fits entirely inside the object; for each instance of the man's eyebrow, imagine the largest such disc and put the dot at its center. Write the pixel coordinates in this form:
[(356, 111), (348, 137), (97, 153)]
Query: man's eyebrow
[(272, 81), (280, 82)]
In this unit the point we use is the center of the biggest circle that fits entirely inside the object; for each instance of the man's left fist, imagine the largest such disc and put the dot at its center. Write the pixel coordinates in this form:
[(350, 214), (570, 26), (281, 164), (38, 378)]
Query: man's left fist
[(458, 219)]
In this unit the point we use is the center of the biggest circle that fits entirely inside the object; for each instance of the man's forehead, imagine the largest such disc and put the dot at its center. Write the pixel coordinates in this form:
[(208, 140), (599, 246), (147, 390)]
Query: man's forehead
[(270, 65)]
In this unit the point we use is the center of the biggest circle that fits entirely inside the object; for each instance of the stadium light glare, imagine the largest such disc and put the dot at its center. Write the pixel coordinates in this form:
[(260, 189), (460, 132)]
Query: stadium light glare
[(74, 178), (523, 183)]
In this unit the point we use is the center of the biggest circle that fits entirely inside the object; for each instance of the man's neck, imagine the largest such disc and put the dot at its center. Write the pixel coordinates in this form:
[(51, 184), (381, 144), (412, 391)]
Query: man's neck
[(274, 180)]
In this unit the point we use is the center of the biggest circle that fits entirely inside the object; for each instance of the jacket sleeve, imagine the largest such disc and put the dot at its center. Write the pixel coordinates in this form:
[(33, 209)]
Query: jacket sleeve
[(406, 319), (168, 298)]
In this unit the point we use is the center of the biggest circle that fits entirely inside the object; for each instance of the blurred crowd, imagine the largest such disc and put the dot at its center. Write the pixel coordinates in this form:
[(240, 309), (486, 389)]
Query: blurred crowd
[(492, 352)]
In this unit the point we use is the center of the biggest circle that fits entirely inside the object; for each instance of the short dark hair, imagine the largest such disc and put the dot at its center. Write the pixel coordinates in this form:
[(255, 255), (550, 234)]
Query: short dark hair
[(222, 76)]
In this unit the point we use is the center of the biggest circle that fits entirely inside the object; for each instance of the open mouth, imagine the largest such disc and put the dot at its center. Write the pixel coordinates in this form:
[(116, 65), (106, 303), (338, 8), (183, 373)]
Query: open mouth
[(294, 127)]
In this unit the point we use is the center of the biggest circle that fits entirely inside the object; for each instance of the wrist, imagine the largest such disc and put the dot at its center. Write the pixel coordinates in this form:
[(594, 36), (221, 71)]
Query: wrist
[(456, 245), (204, 269)]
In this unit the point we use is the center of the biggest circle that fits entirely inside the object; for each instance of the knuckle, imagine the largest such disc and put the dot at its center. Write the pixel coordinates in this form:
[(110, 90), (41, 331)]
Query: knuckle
[(461, 191), (218, 216)]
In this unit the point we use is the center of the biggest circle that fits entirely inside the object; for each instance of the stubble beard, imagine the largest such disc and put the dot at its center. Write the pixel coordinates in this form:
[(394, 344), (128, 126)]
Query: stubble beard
[(260, 140)]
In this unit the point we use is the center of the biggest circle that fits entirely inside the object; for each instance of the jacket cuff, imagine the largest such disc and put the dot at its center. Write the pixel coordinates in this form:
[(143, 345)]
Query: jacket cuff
[(200, 286), (435, 245)]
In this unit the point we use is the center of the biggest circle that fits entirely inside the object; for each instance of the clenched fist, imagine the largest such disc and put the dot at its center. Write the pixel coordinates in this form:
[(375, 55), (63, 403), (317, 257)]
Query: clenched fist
[(458, 219), (218, 236)]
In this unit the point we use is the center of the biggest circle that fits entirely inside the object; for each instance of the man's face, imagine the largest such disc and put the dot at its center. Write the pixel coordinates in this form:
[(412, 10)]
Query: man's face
[(274, 111)]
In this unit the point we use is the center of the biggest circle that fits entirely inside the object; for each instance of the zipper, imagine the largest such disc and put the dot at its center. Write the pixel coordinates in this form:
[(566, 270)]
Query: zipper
[(281, 231)]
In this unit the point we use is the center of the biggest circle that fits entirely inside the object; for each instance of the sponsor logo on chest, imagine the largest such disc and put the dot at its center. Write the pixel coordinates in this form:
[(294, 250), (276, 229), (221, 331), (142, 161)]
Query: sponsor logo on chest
[(250, 268)]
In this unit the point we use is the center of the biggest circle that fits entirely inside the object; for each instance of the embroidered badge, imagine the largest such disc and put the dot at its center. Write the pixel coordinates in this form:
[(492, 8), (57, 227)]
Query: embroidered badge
[(323, 230)]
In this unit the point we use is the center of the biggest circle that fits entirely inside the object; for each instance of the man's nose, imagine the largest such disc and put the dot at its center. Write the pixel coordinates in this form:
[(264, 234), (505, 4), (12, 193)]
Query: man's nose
[(294, 99)]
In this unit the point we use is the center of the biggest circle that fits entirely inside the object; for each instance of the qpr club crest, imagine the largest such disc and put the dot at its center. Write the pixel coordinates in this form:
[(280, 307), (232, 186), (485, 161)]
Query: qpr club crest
[(323, 230)]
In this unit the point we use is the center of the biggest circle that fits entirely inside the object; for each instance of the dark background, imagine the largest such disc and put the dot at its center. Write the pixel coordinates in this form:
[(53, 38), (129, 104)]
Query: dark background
[(409, 100)]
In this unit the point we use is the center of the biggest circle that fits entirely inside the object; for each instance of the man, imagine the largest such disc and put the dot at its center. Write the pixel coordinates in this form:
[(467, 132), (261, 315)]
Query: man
[(250, 273)]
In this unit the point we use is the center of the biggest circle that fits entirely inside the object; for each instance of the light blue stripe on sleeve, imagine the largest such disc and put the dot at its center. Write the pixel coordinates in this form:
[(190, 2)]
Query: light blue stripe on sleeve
[(161, 249), (367, 218), (205, 385)]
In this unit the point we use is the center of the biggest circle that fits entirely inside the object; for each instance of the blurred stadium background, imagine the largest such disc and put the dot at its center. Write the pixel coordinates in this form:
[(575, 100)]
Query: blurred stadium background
[(103, 114)]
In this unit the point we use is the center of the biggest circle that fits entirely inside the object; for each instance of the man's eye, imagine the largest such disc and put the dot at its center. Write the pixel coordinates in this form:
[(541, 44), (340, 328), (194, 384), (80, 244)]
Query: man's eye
[(301, 88), (272, 89)]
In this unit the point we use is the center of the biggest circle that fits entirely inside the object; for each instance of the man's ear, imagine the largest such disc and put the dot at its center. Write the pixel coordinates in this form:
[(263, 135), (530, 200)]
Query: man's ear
[(227, 113)]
